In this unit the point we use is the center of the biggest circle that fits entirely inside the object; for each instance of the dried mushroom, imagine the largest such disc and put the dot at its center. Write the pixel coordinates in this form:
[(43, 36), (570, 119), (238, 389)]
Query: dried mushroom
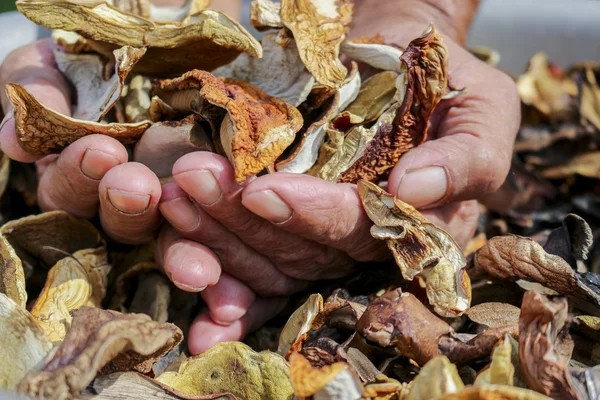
[(513, 257), (493, 315), (421, 85), (95, 95), (100, 341), (257, 127), (136, 99), (494, 392), (232, 367), (135, 386), (264, 14), (543, 356), (75, 281), (308, 317), (42, 131), (377, 55), (205, 40), (12, 276), (319, 28), (437, 378), (330, 382), (23, 344), (280, 72), (501, 370), (419, 248)]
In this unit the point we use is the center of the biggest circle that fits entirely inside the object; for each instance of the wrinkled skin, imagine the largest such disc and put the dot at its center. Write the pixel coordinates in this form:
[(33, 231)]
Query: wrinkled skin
[(238, 245)]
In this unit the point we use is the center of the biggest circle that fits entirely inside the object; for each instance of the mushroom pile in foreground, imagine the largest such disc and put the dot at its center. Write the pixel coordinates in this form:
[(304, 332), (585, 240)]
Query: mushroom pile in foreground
[(516, 315)]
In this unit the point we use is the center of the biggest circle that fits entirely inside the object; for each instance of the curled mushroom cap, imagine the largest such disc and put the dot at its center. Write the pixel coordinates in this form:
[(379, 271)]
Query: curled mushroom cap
[(206, 39)]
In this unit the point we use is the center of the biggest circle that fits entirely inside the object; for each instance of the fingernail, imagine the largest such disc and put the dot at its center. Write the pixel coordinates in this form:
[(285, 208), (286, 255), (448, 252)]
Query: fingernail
[(95, 164), (188, 288), (181, 213), (229, 314), (201, 185), (267, 204), (422, 187), (128, 202)]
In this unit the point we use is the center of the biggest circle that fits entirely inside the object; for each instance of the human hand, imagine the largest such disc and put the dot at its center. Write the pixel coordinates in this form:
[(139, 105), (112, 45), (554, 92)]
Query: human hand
[(93, 174), (240, 245)]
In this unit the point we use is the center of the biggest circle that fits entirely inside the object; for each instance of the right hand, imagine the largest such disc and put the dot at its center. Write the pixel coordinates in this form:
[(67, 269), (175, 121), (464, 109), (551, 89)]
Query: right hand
[(93, 174)]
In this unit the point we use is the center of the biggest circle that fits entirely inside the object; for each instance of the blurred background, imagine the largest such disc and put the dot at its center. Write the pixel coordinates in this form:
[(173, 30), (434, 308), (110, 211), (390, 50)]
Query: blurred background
[(567, 30)]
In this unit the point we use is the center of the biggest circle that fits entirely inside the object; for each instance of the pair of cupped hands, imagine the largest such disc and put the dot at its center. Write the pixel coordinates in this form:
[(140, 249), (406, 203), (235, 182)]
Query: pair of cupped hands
[(246, 248)]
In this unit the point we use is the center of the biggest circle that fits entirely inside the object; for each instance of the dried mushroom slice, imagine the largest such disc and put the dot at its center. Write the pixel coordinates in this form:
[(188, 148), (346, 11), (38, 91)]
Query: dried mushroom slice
[(12, 275), (23, 344), (319, 28), (152, 297), (421, 85), (495, 392), (493, 315), (75, 281), (4, 171), (137, 7), (280, 72), (377, 55), (265, 14), (42, 131), (585, 164), (232, 367), (134, 386), (257, 128), (437, 378), (165, 142), (71, 42), (306, 151), (401, 320), (501, 370), (205, 40), (543, 326), (46, 238), (308, 317), (100, 341), (95, 95), (136, 99), (512, 257), (419, 248), (330, 382)]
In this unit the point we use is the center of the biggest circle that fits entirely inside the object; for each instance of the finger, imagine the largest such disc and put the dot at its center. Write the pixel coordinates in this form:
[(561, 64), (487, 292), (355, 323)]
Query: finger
[(321, 211), (32, 66), (228, 300), (205, 333), (458, 219), (129, 196), (189, 265), (209, 179), (471, 156), (76, 174), (237, 258)]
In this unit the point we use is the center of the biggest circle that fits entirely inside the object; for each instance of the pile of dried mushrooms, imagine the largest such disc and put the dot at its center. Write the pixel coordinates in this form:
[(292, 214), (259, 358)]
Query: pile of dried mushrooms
[(514, 316)]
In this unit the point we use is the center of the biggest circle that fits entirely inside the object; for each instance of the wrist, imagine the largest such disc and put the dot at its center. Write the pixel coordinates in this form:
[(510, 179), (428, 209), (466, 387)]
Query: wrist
[(395, 19)]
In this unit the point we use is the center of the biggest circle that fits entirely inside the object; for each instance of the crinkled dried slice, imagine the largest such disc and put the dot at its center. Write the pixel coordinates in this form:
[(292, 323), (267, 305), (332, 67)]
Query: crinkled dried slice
[(71, 42), (437, 378), (152, 297), (95, 95), (12, 275), (421, 85), (23, 344), (543, 325), (330, 382), (586, 164), (205, 40), (257, 128), (512, 257), (377, 55), (494, 392), (572, 241), (46, 238), (493, 315), (100, 341), (501, 370), (134, 386), (4, 171), (265, 14), (342, 313), (137, 7), (75, 281), (233, 367), (319, 28), (280, 72), (589, 95), (401, 320), (419, 247), (306, 151), (165, 142), (308, 317), (136, 99), (589, 325), (42, 131)]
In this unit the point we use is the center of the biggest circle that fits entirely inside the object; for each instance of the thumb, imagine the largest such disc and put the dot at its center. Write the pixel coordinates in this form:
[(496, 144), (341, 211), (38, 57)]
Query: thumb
[(452, 168)]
